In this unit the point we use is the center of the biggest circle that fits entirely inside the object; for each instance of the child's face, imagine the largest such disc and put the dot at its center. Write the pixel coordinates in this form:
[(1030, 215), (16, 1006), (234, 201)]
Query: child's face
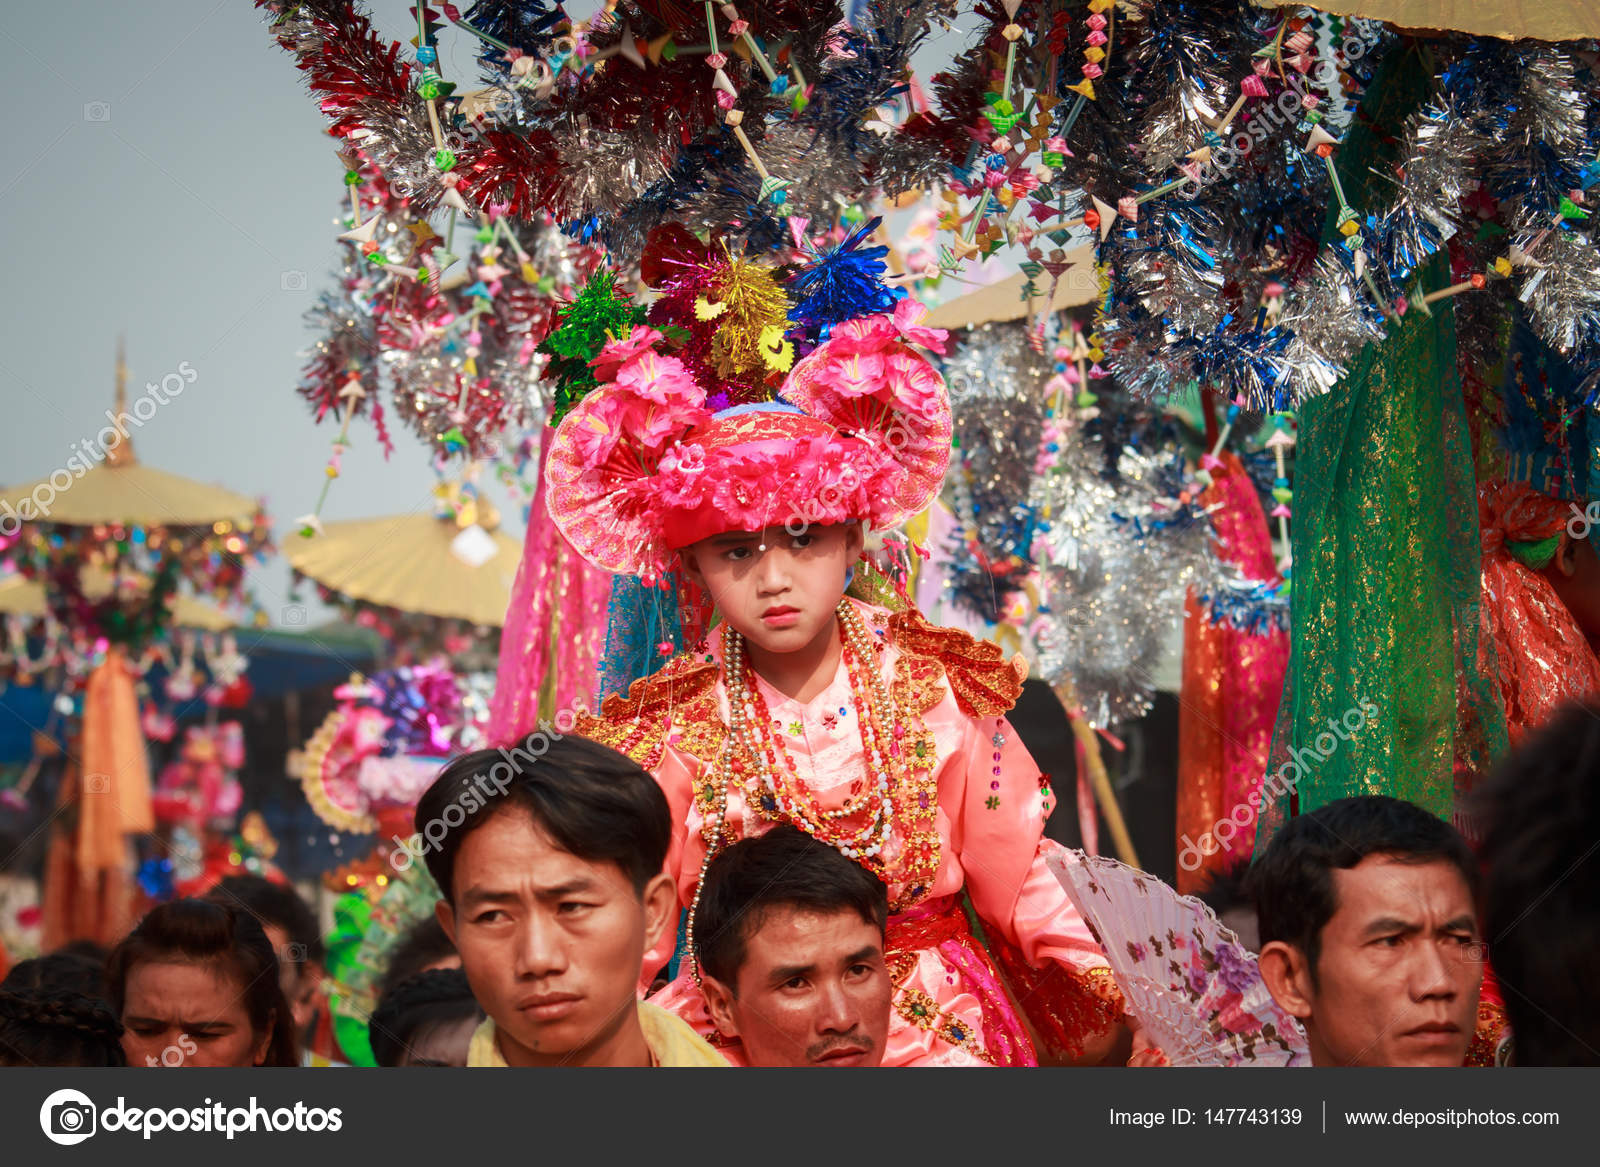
[(776, 588)]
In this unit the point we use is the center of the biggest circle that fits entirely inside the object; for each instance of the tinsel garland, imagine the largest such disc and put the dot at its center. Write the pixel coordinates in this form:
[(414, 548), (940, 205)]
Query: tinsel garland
[(598, 145), (457, 361), (1116, 563)]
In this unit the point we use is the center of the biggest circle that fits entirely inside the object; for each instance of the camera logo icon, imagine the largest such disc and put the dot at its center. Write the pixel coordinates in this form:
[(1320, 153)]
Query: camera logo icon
[(292, 281), (97, 783), (97, 111), (67, 1117)]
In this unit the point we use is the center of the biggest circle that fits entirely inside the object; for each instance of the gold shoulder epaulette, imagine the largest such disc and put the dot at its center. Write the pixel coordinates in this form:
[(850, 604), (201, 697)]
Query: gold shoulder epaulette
[(984, 682), (637, 722)]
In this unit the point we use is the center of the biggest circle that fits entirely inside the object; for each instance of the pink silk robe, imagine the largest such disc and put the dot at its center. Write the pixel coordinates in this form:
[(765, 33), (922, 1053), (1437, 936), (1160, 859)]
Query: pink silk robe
[(951, 1008)]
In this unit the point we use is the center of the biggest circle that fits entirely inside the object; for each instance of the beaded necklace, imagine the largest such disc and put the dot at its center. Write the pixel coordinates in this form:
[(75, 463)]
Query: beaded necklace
[(898, 753)]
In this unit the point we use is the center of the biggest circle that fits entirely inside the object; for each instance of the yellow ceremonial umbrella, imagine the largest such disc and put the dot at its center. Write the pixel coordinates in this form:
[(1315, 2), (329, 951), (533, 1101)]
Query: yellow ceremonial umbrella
[(102, 484), (414, 563), (1545, 20), (110, 486), (86, 491), (24, 597), (1002, 301)]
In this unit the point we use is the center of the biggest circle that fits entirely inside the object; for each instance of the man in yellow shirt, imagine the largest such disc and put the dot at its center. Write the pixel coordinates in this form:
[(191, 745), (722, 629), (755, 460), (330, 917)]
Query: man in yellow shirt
[(550, 860)]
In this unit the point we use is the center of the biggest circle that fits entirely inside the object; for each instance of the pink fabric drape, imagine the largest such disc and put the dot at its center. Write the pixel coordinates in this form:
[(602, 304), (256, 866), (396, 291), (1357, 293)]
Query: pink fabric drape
[(554, 632)]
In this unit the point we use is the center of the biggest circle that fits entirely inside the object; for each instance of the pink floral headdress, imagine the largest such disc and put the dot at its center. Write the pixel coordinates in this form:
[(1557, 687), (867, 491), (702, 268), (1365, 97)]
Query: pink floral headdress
[(640, 469)]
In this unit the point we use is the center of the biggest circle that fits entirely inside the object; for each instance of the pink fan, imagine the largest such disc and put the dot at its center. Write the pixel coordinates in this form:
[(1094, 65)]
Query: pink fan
[(1188, 980)]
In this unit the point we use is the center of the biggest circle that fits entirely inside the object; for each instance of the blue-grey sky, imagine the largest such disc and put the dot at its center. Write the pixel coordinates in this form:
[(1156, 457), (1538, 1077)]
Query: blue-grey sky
[(166, 175)]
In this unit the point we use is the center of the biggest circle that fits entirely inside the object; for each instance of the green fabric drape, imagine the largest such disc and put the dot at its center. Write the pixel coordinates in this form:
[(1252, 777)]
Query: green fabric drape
[(1384, 694)]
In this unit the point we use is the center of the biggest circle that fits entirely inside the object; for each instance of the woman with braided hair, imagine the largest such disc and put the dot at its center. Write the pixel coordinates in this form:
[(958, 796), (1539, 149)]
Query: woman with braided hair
[(425, 1020), (58, 1027), (196, 984)]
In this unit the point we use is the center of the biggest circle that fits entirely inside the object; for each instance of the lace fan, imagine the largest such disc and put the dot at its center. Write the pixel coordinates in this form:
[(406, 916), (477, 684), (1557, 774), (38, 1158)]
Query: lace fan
[(1185, 976)]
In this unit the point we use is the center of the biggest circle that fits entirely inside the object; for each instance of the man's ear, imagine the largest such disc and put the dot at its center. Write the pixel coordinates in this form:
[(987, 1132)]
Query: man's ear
[(1288, 977), (446, 915), (719, 1000), (689, 563), (855, 538), (1566, 560), (660, 898)]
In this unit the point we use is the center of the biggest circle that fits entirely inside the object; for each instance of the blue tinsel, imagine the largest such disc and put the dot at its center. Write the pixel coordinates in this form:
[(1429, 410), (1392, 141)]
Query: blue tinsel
[(841, 284), (528, 25), (1256, 608)]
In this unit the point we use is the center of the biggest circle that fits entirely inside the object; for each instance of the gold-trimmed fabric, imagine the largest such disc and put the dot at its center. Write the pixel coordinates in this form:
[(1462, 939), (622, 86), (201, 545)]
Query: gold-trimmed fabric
[(984, 682), (637, 723)]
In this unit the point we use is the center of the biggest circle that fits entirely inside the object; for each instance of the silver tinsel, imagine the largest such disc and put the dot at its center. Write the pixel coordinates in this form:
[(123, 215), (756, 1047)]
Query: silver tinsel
[(1550, 106), (996, 384), (1172, 265), (1113, 582), (1438, 161), (1332, 321), (1562, 289)]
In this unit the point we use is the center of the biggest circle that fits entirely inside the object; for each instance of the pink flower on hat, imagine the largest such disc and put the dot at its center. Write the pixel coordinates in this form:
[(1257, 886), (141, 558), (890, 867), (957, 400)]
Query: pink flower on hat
[(914, 385), (855, 374), (908, 317), (869, 334), (663, 380), (643, 427), (640, 339)]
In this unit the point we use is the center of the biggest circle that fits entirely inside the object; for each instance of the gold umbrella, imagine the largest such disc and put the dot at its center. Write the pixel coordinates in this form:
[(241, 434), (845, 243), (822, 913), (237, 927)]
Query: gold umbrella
[(1545, 20), (1002, 301), (120, 490), (23, 597), (416, 563)]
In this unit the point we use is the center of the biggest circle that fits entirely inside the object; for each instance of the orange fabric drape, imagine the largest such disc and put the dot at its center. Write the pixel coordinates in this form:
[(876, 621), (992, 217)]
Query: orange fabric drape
[(105, 797), (116, 773), (1232, 683)]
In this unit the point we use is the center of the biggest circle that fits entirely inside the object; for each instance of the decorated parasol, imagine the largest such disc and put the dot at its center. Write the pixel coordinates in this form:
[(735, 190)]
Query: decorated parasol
[(1545, 20), (105, 548), (1007, 299), (452, 568), (26, 598)]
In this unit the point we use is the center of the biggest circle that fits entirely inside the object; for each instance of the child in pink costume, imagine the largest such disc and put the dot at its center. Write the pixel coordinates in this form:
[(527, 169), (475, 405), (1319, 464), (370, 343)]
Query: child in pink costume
[(875, 731)]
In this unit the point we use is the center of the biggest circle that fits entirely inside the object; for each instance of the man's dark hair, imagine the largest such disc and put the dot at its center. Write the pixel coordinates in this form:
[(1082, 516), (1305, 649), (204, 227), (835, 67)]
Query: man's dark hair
[(783, 868), (1540, 813), (424, 944), (593, 802), (277, 904), (415, 1006), (1292, 880), (59, 970)]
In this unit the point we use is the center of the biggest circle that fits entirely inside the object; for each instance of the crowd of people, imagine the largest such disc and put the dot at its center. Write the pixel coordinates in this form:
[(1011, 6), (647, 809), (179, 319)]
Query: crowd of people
[(1377, 922), (813, 838)]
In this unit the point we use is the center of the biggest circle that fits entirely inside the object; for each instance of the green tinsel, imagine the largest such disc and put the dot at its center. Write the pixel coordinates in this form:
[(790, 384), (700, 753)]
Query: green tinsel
[(601, 312)]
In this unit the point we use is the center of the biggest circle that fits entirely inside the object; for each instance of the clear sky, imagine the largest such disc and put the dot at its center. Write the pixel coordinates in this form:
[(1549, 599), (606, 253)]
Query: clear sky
[(166, 175)]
